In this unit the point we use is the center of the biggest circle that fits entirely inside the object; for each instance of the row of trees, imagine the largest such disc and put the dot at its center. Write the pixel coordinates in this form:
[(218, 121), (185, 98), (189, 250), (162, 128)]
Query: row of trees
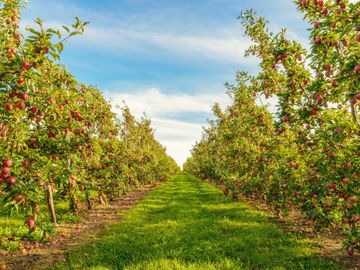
[(59, 135), (307, 155)]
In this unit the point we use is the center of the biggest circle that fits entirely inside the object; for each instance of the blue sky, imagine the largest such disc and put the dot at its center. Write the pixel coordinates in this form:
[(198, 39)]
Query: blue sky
[(165, 57)]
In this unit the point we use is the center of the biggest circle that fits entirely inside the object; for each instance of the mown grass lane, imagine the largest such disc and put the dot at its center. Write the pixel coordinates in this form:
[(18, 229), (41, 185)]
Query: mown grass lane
[(188, 224)]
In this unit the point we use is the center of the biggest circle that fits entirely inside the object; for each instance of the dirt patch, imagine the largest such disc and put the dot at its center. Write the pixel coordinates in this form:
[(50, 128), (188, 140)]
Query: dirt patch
[(37, 256)]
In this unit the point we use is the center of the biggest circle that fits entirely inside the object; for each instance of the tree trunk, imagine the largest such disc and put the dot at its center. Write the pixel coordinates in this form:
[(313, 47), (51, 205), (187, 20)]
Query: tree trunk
[(280, 215), (50, 203), (101, 199), (73, 203), (354, 114), (88, 201)]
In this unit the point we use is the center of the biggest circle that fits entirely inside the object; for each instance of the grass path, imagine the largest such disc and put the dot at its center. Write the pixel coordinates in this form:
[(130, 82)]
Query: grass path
[(188, 224)]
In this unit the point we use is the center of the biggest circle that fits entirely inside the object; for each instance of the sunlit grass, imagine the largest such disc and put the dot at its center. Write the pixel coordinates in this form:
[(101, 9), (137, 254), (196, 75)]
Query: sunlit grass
[(187, 224), (13, 228)]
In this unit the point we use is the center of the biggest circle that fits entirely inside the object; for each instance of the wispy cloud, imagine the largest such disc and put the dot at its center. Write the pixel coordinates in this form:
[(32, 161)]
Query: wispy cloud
[(156, 103), (155, 33), (228, 47), (177, 136)]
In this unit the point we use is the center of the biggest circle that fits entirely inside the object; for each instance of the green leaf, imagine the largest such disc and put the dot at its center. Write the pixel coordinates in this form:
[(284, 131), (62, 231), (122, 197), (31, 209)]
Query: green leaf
[(32, 30), (59, 47), (66, 28)]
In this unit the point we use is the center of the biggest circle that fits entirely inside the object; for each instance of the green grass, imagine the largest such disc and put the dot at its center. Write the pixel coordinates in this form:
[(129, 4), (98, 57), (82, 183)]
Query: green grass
[(13, 228), (188, 224)]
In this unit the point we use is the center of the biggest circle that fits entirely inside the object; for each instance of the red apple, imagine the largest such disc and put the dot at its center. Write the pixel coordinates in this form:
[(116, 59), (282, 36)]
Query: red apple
[(34, 110), (11, 180), (337, 130), (346, 181), (9, 107), (21, 81), (352, 199), (5, 170), (18, 197), (304, 2), (51, 134), (350, 252), (348, 165), (26, 65), (331, 186), (26, 164), (319, 99), (21, 105), (315, 111), (8, 163), (318, 40), (24, 96), (30, 223)]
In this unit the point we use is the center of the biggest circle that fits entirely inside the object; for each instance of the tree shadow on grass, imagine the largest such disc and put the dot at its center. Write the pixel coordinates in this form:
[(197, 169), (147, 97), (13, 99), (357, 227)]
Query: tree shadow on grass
[(186, 224)]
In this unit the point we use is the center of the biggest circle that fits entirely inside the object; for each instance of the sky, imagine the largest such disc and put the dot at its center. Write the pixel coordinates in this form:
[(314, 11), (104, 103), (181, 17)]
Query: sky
[(168, 58)]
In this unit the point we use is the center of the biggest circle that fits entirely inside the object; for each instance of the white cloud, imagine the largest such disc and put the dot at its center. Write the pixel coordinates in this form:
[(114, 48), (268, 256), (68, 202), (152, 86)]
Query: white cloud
[(227, 47), (177, 136), (155, 103), (154, 28)]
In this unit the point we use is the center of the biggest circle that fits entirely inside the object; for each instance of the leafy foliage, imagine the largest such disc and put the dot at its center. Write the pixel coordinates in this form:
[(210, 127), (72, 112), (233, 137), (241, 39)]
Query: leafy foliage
[(307, 156), (58, 135)]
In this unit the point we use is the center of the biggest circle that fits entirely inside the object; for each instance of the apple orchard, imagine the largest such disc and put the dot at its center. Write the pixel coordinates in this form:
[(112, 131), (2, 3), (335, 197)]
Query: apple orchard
[(60, 143), (307, 157)]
